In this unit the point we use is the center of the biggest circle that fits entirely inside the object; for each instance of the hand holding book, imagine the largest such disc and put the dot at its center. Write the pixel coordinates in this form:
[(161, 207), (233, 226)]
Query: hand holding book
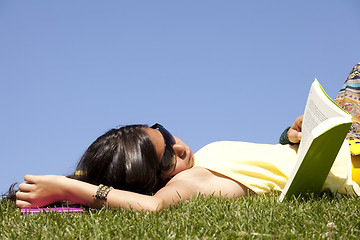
[(294, 132), (324, 126)]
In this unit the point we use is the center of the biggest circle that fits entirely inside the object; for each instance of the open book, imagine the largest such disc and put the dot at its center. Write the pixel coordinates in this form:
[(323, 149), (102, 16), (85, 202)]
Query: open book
[(324, 129)]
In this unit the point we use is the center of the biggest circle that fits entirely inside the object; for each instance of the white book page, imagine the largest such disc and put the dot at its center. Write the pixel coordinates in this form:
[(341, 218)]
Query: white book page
[(321, 114), (319, 108)]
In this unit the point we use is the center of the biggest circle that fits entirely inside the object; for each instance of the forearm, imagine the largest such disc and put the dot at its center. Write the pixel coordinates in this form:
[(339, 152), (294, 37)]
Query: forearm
[(38, 191), (82, 193)]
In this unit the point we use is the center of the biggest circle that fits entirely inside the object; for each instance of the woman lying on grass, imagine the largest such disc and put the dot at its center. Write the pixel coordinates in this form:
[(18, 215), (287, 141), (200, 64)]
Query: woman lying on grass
[(150, 169)]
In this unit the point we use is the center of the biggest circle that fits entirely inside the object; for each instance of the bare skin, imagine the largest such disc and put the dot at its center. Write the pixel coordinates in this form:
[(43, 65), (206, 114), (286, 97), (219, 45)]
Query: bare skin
[(294, 133), (186, 182), (38, 191)]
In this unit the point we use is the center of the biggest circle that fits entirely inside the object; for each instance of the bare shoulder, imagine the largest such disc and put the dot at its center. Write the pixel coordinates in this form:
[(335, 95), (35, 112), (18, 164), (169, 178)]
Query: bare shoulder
[(204, 181), (192, 174), (197, 180)]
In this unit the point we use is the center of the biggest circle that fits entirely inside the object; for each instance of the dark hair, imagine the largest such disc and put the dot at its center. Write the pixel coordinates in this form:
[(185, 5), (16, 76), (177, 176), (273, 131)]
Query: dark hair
[(11, 193), (123, 158)]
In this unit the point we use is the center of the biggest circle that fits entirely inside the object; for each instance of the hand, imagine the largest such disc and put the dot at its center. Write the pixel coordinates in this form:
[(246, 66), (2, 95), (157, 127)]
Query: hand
[(294, 133), (39, 191)]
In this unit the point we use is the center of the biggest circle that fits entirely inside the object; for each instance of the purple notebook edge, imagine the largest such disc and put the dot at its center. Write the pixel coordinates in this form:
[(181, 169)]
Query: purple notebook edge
[(52, 209)]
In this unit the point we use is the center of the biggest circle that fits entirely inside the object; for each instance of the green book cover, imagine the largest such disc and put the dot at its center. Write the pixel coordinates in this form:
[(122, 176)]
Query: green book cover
[(325, 126)]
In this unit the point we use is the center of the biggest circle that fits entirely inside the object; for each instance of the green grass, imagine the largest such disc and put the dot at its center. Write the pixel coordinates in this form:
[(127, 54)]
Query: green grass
[(258, 217)]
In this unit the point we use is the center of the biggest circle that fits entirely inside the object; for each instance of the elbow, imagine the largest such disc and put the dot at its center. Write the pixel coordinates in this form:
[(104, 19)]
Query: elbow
[(156, 205), (153, 209), (152, 204)]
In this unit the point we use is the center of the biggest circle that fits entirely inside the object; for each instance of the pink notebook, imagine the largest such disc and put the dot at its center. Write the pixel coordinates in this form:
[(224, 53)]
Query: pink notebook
[(52, 209)]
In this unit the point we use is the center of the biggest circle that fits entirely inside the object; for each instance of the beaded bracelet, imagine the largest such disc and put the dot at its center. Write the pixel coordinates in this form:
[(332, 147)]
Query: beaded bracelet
[(102, 192)]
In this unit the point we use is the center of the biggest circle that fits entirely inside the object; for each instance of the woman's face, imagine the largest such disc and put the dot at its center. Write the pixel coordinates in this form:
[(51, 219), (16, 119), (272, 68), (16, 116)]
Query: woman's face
[(184, 156)]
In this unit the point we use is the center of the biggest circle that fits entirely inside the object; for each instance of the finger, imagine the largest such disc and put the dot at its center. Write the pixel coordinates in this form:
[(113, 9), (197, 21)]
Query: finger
[(296, 137), (22, 204), (24, 196), (26, 187), (30, 178), (298, 128), (293, 136)]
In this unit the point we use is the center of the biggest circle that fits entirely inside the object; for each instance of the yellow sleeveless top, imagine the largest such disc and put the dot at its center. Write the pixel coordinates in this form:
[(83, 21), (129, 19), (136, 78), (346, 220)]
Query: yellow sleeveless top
[(266, 167)]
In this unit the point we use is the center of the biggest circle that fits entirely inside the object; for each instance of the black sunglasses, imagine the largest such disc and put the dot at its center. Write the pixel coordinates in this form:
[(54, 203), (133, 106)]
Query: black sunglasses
[(168, 159)]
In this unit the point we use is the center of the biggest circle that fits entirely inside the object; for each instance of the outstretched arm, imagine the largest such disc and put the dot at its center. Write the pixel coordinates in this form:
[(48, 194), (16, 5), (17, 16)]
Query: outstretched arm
[(39, 191)]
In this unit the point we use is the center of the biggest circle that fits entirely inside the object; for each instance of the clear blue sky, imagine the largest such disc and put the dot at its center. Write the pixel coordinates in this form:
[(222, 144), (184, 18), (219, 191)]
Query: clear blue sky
[(207, 70)]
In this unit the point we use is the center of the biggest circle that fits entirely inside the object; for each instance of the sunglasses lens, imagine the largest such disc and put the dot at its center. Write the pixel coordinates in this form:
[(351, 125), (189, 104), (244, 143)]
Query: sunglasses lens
[(168, 162)]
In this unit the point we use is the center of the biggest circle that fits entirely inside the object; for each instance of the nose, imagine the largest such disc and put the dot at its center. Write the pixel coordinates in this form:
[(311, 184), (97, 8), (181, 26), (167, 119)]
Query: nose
[(180, 150)]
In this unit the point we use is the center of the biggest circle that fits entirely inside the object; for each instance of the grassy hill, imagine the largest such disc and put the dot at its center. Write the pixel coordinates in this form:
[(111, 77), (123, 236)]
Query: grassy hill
[(257, 217)]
